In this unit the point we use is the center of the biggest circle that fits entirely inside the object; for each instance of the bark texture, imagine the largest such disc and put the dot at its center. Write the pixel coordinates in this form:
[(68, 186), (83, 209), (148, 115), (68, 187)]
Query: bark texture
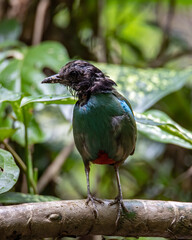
[(74, 218)]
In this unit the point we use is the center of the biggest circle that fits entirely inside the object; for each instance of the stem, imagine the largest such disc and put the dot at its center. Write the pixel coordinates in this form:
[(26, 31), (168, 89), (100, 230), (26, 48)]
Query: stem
[(28, 159), (35, 175), (16, 156), (20, 163)]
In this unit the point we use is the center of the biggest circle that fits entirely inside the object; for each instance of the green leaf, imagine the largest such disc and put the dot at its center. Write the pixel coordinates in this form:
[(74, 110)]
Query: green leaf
[(15, 197), (14, 99), (10, 76), (157, 126), (9, 172), (8, 96), (24, 73), (10, 29), (11, 43), (55, 99), (6, 132), (144, 87), (47, 54), (129, 47)]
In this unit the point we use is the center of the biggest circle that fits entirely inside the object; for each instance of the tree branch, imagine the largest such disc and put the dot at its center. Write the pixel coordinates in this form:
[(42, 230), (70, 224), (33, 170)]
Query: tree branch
[(167, 28), (39, 21), (158, 60), (167, 58), (74, 218)]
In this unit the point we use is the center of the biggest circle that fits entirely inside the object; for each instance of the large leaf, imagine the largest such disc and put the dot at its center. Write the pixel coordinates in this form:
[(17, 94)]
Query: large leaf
[(10, 75), (9, 172), (9, 96), (157, 126), (24, 73), (144, 87), (15, 197), (48, 54), (54, 99)]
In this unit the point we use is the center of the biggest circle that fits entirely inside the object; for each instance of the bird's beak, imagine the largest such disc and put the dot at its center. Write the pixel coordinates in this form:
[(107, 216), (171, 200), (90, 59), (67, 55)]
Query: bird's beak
[(53, 79)]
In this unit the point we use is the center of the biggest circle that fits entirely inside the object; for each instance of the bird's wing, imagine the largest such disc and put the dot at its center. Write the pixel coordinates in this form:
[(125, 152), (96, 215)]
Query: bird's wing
[(81, 145), (121, 97), (130, 115)]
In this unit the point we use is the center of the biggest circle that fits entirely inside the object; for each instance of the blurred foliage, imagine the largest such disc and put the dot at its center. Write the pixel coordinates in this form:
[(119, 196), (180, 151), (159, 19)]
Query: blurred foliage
[(15, 197), (144, 87), (158, 126), (9, 172), (129, 41)]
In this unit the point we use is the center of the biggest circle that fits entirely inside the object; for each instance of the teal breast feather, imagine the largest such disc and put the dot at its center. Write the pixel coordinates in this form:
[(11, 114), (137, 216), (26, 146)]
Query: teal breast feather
[(105, 123)]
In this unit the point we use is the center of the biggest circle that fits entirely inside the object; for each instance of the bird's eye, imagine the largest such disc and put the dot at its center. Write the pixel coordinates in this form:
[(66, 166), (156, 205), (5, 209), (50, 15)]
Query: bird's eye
[(73, 74)]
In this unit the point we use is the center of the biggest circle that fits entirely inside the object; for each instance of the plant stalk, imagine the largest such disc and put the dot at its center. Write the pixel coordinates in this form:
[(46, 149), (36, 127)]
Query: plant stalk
[(29, 173)]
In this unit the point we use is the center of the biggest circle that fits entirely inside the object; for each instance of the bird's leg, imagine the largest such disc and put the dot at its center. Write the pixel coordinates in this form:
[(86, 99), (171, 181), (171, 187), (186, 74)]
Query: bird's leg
[(90, 197), (119, 199)]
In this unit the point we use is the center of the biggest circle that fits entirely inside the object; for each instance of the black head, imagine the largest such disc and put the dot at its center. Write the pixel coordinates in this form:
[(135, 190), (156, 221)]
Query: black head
[(82, 77)]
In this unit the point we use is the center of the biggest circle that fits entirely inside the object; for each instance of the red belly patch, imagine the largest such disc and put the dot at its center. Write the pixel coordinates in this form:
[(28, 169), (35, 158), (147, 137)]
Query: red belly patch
[(103, 159)]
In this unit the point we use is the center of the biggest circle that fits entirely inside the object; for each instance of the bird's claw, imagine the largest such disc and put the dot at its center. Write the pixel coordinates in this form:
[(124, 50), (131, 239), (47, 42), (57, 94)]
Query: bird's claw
[(92, 199), (121, 207)]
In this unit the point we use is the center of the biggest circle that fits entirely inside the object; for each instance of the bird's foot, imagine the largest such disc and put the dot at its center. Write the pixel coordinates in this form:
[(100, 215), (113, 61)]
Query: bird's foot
[(93, 199), (121, 207)]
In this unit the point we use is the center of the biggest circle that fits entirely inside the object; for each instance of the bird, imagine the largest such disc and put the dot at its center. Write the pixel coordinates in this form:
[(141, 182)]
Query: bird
[(104, 126)]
